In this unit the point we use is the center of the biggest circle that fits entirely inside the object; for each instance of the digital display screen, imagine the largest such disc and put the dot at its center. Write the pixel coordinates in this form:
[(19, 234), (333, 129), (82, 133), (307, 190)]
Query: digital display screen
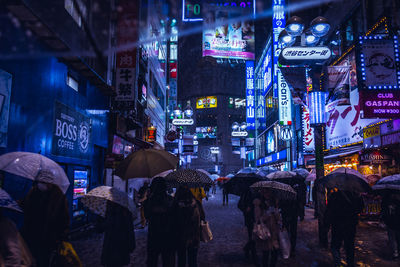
[(206, 132)]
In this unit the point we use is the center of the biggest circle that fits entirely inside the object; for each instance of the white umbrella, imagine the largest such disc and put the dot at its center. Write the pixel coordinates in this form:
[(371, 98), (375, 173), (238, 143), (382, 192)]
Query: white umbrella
[(214, 176), (96, 200), (7, 202), (281, 175), (36, 167)]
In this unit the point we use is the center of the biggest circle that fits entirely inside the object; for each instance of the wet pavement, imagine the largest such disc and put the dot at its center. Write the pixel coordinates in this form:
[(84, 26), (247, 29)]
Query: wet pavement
[(226, 249)]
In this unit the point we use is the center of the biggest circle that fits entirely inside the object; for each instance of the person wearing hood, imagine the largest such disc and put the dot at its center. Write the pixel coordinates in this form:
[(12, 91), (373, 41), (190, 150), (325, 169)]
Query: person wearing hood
[(46, 221), (188, 214), (158, 213)]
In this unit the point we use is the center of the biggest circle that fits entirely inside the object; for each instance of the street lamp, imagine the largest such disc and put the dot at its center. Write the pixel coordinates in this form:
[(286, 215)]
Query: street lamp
[(177, 111), (188, 111), (294, 26), (320, 26), (235, 126), (286, 39)]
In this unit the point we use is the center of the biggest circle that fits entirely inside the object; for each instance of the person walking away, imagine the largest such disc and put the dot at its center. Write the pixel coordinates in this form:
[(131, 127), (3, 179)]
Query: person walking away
[(245, 204), (188, 214), (289, 210), (342, 214), (13, 250), (46, 221), (199, 193), (224, 194), (319, 198), (301, 196), (266, 212), (214, 188), (119, 236), (142, 195), (391, 217), (158, 213)]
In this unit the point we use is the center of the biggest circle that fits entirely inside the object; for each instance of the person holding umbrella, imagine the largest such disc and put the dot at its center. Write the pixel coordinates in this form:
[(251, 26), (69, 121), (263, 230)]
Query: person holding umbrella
[(158, 213), (342, 214), (391, 217), (46, 220), (188, 214)]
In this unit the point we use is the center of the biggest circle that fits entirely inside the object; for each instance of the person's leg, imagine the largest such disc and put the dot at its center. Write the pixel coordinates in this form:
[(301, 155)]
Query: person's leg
[(274, 258), (227, 198), (336, 243), (182, 256), (168, 258), (192, 256), (393, 242), (265, 258), (322, 233), (349, 234), (152, 256), (397, 243), (293, 235)]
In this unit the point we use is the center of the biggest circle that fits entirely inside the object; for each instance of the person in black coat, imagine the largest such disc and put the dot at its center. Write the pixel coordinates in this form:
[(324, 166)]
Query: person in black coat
[(290, 211), (246, 205), (119, 236), (342, 214), (391, 217), (188, 214), (158, 213)]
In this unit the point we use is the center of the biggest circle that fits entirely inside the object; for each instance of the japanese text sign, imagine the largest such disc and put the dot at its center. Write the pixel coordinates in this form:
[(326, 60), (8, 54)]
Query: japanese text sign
[(308, 132), (250, 96)]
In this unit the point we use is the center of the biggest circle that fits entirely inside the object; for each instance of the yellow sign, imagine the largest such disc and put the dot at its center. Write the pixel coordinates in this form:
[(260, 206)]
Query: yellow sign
[(371, 131), (206, 102)]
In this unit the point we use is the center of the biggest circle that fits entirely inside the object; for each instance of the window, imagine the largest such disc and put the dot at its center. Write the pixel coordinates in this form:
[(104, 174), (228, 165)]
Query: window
[(72, 82), (173, 51), (73, 11)]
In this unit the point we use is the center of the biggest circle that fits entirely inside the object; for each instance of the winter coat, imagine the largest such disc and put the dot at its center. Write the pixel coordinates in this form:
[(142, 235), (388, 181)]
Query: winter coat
[(158, 212), (119, 236), (46, 221), (187, 217), (13, 250), (343, 208), (270, 216), (391, 212)]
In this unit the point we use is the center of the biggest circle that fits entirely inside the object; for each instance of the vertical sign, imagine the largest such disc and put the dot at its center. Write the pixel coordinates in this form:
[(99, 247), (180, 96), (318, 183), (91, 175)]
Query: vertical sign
[(278, 25), (127, 33), (285, 101), (250, 99), (308, 132)]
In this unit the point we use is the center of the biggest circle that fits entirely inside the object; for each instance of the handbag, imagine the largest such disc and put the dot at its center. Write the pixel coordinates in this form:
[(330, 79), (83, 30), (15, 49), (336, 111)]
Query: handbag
[(206, 234), (65, 256), (284, 243), (261, 231)]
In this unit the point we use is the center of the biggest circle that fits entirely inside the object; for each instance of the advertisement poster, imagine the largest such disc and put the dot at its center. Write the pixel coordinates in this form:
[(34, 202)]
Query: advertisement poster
[(308, 132), (71, 133), (206, 102), (380, 66), (5, 93), (231, 38), (381, 104), (344, 125), (339, 85)]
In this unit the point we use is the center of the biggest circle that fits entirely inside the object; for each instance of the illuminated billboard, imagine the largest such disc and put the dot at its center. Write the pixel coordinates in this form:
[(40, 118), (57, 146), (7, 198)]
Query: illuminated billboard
[(206, 132), (206, 102), (267, 71), (226, 34)]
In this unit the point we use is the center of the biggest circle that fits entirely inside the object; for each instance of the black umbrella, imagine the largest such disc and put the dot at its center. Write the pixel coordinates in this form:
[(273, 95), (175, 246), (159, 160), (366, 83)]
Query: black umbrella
[(346, 180), (241, 182), (189, 177), (286, 177), (388, 183), (280, 190)]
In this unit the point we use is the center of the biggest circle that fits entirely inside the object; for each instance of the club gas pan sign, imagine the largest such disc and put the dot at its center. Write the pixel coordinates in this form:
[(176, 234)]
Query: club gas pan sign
[(71, 133)]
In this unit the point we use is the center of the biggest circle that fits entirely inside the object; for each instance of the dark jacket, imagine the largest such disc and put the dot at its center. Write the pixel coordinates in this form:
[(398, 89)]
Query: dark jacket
[(46, 221), (343, 208), (158, 212), (289, 211), (246, 205), (391, 212), (188, 214), (119, 236)]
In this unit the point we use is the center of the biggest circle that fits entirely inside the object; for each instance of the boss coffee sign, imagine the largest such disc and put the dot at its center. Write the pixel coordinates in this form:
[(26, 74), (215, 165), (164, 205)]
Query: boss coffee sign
[(71, 133)]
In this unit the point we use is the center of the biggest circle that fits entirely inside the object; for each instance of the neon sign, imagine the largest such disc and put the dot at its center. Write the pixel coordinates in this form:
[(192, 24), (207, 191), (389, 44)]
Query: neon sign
[(250, 96)]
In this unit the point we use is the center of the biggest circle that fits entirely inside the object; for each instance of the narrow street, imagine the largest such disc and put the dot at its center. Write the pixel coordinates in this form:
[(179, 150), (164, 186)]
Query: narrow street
[(229, 233)]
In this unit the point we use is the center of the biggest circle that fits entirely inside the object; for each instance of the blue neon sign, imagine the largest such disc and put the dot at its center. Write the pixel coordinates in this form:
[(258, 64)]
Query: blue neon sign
[(250, 96), (278, 25)]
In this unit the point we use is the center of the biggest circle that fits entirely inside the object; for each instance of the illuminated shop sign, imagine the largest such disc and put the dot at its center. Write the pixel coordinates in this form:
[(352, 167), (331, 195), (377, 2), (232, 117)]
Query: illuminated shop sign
[(306, 54), (378, 59), (285, 101), (182, 122), (281, 155), (278, 25), (308, 132), (239, 134), (267, 71), (206, 102), (206, 132), (381, 104), (250, 96), (316, 105)]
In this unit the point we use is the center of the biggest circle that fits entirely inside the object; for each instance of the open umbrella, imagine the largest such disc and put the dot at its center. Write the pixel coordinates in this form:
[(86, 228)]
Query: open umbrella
[(96, 199), (311, 177), (205, 172), (7, 202), (163, 174), (241, 182), (302, 172), (189, 177), (388, 183), (264, 171), (230, 175), (248, 170), (35, 167), (146, 163), (347, 180), (280, 190), (214, 176)]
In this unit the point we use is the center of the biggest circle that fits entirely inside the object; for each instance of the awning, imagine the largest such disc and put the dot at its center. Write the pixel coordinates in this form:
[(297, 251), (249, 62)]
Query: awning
[(330, 158)]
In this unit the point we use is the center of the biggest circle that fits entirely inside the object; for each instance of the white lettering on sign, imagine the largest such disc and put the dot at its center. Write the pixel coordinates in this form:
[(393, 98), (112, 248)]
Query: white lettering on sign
[(306, 53), (239, 134), (285, 101), (182, 121)]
